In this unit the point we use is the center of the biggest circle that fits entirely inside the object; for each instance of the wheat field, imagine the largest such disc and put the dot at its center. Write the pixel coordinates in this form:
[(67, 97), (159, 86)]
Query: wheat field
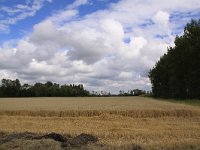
[(117, 121), (88, 103)]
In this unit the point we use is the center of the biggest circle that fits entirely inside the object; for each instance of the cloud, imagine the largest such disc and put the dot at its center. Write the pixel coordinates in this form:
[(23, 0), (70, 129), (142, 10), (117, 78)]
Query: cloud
[(5, 74), (44, 32), (109, 49), (19, 12), (77, 3), (133, 49), (161, 18), (63, 16), (91, 44)]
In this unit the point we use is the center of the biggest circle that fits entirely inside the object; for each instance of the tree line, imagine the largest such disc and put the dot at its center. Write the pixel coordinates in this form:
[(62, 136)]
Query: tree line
[(177, 73), (13, 88), (134, 92)]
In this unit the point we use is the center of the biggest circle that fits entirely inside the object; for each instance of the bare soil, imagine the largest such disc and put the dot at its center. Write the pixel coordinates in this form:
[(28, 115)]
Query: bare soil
[(52, 140)]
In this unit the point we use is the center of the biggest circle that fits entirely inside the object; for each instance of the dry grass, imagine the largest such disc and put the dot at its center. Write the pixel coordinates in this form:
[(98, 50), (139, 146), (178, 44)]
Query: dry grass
[(90, 113), (89, 103), (21, 144), (118, 122), (95, 106), (114, 130)]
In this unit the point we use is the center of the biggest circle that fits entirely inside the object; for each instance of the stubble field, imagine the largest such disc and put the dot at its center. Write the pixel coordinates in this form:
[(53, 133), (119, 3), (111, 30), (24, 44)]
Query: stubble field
[(117, 122)]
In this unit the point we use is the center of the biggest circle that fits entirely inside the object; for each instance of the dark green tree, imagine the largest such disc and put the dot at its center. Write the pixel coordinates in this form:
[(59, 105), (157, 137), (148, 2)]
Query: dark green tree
[(177, 73), (10, 88), (13, 88)]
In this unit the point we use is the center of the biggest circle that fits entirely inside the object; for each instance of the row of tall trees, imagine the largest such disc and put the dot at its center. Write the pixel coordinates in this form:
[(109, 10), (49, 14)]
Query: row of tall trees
[(177, 73), (13, 88)]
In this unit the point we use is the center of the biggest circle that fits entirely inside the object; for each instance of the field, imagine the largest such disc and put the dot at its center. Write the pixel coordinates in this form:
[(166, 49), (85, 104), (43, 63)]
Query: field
[(118, 122)]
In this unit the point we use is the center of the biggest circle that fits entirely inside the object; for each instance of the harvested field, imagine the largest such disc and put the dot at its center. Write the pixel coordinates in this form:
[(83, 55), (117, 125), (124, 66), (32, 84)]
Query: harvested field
[(89, 103), (118, 122)]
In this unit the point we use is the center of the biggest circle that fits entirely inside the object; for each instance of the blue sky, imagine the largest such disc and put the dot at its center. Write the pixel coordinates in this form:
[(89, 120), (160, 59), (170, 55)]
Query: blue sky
[(104, 44), (21, 27)]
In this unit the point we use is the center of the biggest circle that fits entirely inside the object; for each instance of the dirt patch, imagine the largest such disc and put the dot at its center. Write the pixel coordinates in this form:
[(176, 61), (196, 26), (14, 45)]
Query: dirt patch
[(66, 142), (54, 136), (80, 140), (136, 147)]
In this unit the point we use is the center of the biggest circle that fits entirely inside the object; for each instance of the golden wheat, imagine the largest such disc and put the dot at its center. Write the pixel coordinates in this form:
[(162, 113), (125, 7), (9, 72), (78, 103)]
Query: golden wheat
[(89, 103), (91, 113), (114, 130), (117, 122)]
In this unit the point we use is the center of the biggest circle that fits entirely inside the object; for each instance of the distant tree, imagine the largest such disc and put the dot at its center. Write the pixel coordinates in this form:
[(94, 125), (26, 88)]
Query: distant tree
[(13, 88), (10, 88), (48, 84), (120, 93), (137, 92)]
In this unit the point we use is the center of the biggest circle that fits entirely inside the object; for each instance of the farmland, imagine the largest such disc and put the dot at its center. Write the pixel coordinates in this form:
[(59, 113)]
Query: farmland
[(118, 122)]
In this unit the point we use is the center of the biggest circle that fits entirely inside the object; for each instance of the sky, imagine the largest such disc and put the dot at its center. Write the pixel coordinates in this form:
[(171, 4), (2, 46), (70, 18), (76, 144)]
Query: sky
[(106, 45)]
